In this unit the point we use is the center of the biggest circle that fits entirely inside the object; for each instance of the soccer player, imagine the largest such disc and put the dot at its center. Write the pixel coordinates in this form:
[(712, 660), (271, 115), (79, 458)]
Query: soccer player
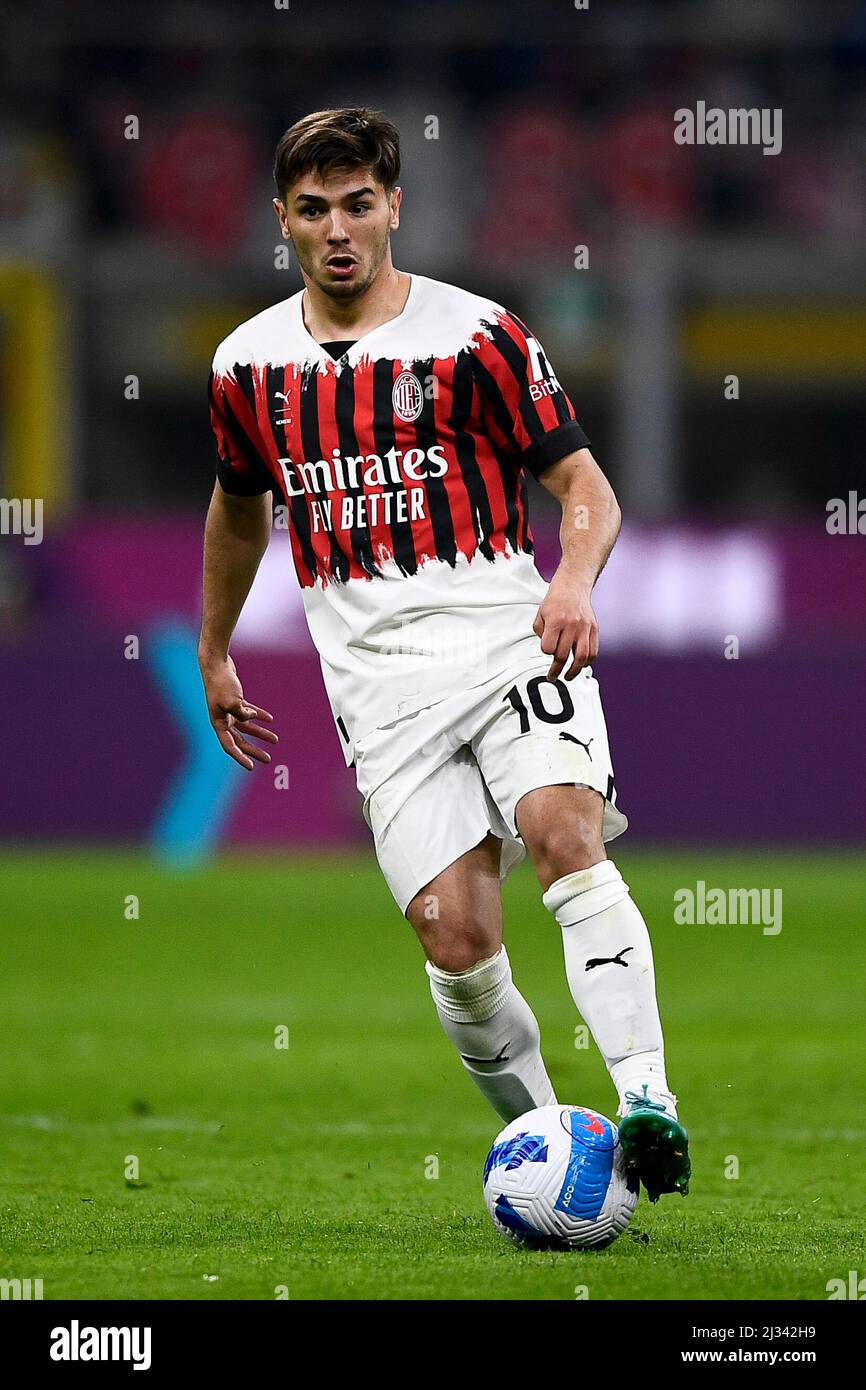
[(397, 417)]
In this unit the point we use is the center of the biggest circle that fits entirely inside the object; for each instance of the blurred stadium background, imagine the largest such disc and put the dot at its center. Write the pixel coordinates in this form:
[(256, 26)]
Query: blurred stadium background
[(733, 622)]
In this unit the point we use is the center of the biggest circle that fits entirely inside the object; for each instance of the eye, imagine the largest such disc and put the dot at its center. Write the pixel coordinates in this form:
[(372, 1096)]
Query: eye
[(361, 207), (309, 212)]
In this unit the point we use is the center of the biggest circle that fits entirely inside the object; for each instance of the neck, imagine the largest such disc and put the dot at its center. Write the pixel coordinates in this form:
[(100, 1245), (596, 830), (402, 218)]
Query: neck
[(384, 299)]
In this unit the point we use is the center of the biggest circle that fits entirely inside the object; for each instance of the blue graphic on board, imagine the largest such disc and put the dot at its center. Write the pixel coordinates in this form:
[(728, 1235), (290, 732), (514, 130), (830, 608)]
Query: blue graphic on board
[(208, 783)]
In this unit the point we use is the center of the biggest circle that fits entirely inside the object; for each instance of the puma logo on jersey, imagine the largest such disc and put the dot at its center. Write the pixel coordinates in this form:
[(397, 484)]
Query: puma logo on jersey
[(584, 746), (285, 418)]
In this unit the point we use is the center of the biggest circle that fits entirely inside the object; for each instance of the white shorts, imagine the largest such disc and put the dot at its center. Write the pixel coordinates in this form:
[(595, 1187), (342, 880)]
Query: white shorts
[(437, 781)]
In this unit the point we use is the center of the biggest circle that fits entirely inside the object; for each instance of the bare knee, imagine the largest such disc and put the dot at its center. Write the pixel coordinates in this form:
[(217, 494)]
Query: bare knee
[(460, 948), (458, 916), (564, 852), (562, 833), (453, 939)]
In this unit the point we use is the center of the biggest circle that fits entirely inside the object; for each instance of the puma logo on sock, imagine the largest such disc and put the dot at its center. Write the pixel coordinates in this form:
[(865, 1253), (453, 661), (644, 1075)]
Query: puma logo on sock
[(610, 960), (486, 1061)]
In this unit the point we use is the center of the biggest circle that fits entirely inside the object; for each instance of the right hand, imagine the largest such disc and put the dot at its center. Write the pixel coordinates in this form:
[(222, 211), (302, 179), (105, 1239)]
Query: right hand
[(231, 715)]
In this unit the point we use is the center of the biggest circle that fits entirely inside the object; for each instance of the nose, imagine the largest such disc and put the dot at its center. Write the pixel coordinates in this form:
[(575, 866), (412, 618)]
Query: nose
[(336, 231)]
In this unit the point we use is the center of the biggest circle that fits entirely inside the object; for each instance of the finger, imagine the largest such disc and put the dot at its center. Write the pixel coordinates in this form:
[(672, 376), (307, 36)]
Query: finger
[(262, 714), (581, 647), (250, 749), (253, 731), (582, 652), (227, 744), (243, 710), (576, 667), (550, 637), (562, 652), (538, 625)]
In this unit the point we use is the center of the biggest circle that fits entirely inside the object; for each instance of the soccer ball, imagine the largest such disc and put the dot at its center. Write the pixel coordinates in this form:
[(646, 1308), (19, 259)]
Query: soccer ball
[(555, 1179)]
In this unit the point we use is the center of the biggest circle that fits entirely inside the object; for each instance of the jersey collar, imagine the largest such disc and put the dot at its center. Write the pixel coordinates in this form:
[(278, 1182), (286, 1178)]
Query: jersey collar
[(360, 344)]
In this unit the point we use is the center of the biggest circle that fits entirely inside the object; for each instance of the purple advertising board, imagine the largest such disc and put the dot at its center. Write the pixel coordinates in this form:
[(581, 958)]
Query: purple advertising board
[(760, 747)]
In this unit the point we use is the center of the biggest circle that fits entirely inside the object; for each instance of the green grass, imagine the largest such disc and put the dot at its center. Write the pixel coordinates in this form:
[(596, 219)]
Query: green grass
[(305, 1167)]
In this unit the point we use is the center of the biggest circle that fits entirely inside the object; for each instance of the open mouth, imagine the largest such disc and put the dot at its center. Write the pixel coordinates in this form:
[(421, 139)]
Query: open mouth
[(342, 265)]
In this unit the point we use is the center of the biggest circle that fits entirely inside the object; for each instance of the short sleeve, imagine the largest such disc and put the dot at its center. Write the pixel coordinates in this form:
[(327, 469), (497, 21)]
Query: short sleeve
[(239, 465), (524, 408)]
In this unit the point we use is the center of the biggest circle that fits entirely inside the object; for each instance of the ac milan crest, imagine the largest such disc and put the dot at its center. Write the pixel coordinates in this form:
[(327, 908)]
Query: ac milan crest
[(408, 397)]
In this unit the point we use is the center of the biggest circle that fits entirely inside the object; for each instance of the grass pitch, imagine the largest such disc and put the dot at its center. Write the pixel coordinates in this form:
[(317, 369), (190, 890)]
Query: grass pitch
[(155, 1143)]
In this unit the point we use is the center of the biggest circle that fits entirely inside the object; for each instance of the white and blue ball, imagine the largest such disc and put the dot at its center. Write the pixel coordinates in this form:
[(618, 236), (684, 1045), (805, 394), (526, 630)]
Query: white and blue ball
[(555, 1180)]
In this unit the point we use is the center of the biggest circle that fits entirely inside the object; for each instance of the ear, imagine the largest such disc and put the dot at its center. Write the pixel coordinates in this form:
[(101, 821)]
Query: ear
[(395, 200), (281, 218)]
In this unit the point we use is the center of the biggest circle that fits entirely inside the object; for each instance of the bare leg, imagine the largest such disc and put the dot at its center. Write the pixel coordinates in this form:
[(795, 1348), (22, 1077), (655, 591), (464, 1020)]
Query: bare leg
[(458, 919)]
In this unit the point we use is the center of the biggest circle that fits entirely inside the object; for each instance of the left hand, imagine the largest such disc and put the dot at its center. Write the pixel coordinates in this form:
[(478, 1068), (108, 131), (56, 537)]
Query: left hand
[(567, 626)]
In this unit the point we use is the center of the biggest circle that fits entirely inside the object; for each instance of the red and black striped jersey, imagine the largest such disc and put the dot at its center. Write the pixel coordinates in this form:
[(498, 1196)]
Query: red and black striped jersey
[(402, 468)]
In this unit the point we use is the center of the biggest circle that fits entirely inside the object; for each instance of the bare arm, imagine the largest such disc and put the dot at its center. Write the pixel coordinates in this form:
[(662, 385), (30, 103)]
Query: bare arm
[(591, 520), (236, 537)]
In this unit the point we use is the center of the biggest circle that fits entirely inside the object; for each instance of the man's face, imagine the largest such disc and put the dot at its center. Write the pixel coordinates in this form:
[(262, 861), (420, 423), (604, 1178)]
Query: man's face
[(339, 226)]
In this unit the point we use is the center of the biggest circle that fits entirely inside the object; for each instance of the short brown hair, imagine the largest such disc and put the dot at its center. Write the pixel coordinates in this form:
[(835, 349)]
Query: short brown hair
[(335, 141)]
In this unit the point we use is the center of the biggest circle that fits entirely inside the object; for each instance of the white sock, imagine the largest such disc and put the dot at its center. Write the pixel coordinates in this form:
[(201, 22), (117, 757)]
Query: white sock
[(495, 1032), (600, 922)]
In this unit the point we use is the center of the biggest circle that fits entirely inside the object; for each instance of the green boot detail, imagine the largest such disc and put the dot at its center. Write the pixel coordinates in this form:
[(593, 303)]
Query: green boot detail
[(655, 1146)]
